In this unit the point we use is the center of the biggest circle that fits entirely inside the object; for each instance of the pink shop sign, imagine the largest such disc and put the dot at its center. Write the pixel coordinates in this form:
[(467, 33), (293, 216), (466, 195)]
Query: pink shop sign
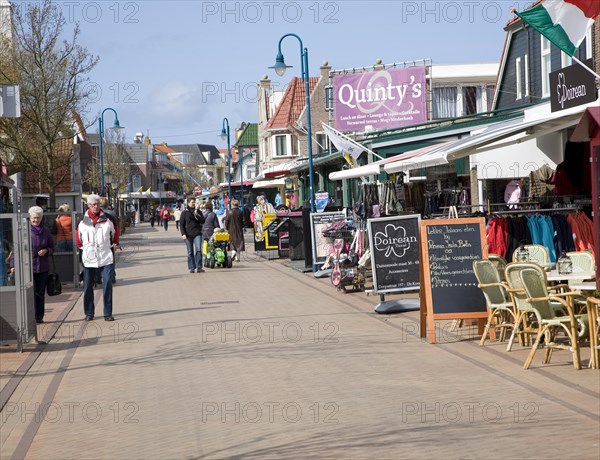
[(380, 99)]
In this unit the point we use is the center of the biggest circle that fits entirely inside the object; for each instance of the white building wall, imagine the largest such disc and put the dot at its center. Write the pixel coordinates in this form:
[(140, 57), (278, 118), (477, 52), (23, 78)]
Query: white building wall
[(519, 159)]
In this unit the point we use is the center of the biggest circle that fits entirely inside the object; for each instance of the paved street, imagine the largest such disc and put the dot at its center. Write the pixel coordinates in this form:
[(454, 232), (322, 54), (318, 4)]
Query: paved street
[(263, 361)]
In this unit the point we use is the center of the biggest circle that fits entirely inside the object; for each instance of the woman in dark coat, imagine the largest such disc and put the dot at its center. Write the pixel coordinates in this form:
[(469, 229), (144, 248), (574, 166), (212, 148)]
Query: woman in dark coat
[(234, 223), (42, 247)]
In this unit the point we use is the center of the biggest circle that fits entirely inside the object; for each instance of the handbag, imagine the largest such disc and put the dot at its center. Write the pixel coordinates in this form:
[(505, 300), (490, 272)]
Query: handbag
[(53, 286)]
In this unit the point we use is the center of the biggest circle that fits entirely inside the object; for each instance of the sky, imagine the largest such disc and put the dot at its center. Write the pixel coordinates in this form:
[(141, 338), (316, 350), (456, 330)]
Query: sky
[(174, 69)]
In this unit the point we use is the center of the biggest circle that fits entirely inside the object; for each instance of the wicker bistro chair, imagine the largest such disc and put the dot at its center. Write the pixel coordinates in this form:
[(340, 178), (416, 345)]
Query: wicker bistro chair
[(537, 253), (525, 319), (535, 286), (501, 314), (583, 262), (593, 307), (500, 264)]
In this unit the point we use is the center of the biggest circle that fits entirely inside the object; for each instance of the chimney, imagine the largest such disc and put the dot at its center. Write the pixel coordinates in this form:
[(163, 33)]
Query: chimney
[(325, 69)]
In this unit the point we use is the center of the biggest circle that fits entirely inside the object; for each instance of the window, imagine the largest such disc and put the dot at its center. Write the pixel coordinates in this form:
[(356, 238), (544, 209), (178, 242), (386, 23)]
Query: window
[(470, 100), (136, 182), (519, 80), (321, 143), (546, 67), (526, 70), (281, 146), (444, 102), (489, 92), (329, 98), (565, 60), (588, 44), (250, 172)]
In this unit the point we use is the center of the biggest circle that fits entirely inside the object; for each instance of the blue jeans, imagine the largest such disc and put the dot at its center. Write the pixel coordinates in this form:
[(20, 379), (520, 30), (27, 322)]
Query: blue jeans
[(89, 276), (194, 260)]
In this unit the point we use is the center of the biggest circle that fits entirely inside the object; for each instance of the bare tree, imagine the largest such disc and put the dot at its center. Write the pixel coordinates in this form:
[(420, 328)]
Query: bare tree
[(52, 76), (116, 164)]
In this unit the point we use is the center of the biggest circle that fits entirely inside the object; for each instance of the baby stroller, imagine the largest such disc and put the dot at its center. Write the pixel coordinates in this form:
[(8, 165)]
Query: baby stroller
[(217, 250)]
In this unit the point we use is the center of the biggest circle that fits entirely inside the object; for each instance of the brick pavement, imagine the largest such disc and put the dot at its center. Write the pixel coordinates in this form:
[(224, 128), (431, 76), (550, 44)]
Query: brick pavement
[(262, 361)]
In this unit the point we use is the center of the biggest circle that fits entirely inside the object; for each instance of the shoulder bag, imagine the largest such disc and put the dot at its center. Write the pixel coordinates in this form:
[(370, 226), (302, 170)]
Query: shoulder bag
[(53, 286)]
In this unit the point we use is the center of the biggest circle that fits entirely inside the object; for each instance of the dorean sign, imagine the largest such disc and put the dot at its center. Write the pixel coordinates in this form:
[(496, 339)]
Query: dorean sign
[(394, 243), (572, 86)]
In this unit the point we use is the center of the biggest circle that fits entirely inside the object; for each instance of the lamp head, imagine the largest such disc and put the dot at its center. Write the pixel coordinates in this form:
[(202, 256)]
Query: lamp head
[(280, 67), (117, 127), (223, 134)]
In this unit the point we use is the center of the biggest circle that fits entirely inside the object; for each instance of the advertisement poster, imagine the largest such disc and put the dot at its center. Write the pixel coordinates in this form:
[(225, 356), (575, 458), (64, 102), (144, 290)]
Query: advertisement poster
[(380, 99)]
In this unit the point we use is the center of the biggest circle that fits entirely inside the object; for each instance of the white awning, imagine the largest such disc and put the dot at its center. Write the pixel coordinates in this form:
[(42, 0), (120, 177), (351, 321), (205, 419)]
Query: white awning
[(376, 167), (268, 183), (534, 124)]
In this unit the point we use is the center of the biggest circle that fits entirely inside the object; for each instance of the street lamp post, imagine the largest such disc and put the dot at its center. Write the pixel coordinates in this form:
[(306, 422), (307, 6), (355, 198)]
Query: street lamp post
[(280, 68), (116, 127), (225, 135), (159, 190), (115, 189), (241, 158)]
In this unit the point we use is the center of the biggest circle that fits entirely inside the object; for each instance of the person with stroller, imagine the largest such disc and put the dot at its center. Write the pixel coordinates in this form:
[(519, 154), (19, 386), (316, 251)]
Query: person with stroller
[(190, 226), (234, 223)]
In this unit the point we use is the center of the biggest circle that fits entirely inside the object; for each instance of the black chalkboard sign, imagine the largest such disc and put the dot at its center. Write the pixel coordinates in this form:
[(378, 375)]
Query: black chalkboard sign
[(449, 286), (394, 243)]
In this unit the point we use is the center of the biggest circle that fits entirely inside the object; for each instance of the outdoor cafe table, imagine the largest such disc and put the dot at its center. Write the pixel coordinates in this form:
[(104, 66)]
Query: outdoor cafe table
[(553, 275)]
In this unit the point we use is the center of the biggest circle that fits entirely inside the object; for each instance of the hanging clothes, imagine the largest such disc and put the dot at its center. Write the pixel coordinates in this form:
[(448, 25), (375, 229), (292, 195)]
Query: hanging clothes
[(541, 182), (582, 231), (497, 236), (512, 193)]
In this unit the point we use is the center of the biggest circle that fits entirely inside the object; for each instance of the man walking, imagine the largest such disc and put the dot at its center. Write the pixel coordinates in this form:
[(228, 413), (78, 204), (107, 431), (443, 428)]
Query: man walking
[(191, 232), (95, 237)]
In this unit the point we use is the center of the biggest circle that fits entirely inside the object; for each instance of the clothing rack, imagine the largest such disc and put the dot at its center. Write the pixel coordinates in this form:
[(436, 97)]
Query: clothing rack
[(523, 211)]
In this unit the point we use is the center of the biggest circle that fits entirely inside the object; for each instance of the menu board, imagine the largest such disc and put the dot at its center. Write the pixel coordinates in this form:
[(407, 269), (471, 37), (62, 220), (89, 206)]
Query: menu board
[(394, 243), (449, 286)]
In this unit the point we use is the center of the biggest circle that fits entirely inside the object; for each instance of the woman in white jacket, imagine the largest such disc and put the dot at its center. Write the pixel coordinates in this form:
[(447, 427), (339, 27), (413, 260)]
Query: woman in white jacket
[(96, 235)]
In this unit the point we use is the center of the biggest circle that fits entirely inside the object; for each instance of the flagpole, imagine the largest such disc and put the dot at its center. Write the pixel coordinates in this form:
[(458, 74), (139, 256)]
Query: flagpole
[(585, 67)]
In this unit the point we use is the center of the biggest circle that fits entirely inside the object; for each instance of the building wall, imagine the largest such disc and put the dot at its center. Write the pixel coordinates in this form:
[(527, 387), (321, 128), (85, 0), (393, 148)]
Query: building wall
[(528, 41)]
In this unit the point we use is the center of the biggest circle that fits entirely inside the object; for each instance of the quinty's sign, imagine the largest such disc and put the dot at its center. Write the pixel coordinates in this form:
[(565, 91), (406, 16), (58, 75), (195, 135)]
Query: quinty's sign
[(380, 99)]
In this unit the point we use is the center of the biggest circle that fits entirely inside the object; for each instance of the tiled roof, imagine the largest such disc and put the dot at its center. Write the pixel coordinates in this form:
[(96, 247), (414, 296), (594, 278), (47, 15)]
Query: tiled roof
[(163, 148), (292, 104), (249, 136)]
